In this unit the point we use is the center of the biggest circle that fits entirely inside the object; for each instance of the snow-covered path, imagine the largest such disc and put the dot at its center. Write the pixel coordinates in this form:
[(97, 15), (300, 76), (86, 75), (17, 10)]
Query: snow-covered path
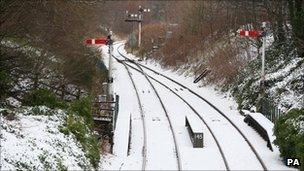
[(160, 146)]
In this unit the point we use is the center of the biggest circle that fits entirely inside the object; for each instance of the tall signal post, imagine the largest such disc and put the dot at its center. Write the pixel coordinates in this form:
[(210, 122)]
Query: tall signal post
[(110, 78), (263, 36), (133, 18), (137, 18), (259, 34), (105, 110), (141, 18)]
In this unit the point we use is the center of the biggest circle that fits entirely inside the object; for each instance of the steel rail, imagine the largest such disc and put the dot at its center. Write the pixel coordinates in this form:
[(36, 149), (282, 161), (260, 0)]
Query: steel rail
[(209, 103), (177, 153), (195, 111), (144, 148)]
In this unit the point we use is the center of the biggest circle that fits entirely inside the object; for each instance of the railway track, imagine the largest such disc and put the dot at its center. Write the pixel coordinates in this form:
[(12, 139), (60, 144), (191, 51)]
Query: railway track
[(205, 100), (178, 158), (144, 148), (195, 111)]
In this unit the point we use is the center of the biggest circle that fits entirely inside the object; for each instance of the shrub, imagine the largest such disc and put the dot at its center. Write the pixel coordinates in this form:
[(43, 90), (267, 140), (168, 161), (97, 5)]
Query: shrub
[(43, 97), (8, 114), (5, 84), (290, 135), (80, 125), (61, 166), (82, 107), (77, 126)]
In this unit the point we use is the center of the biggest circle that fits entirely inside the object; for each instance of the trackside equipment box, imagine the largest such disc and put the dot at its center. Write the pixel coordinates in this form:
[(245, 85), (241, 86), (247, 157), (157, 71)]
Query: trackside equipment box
[(195, 132)]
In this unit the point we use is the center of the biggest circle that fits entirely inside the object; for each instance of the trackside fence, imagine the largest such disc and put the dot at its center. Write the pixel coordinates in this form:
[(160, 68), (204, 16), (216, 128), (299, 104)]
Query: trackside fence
[(270, 111)]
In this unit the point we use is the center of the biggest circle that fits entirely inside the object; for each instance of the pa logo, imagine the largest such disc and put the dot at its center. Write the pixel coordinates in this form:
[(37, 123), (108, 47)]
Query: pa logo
[(293, 162)]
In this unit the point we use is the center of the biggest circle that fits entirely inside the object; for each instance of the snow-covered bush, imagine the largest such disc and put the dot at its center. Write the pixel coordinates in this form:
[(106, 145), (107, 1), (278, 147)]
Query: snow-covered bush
[(82, 107), (79, 122), (283, 81), (32, 141), (289, 131), (77, 126), (4, 83)]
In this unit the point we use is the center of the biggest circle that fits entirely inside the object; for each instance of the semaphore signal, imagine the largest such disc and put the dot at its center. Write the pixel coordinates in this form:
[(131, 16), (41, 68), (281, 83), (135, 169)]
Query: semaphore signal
[(98, 41), (251, 33)]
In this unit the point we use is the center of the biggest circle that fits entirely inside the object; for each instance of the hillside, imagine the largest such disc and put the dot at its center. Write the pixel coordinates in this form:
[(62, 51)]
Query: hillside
[(32, 139)]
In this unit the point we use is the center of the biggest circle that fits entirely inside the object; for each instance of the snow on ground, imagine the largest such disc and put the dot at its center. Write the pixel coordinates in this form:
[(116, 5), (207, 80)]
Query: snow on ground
[(128, 108), (160, 144), (159, 139), (240, 155), (207, 158), (34, 142), (234, 147), (157, 126), (263, 121)]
